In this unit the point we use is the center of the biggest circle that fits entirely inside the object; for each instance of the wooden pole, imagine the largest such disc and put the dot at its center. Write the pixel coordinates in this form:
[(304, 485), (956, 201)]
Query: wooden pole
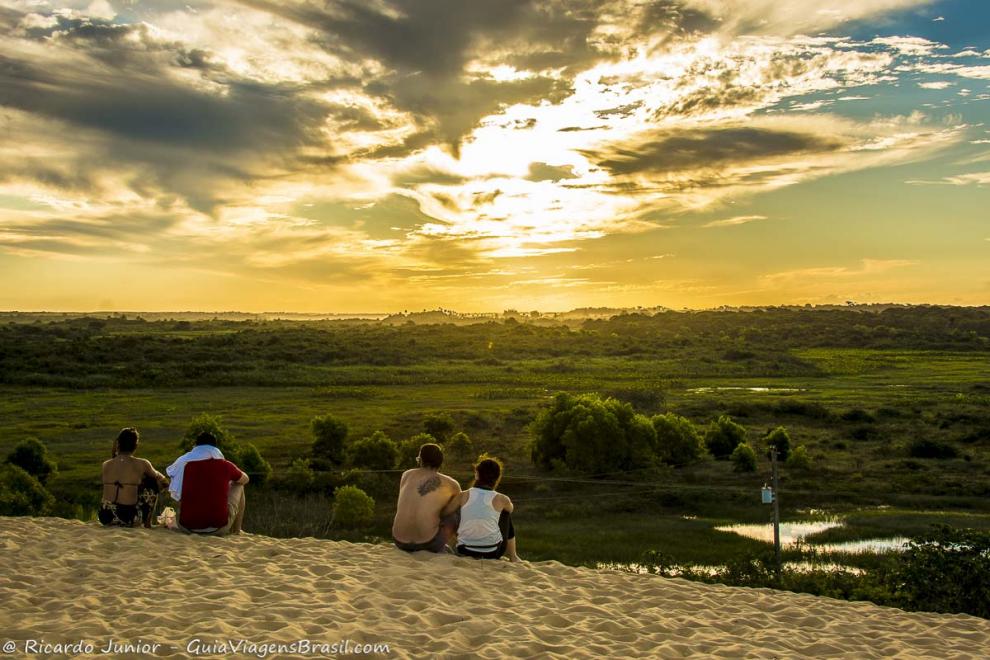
[(776, 512)]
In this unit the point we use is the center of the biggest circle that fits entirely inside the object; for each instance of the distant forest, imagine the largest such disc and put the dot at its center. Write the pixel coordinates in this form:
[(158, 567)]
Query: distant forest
[(119, 351)]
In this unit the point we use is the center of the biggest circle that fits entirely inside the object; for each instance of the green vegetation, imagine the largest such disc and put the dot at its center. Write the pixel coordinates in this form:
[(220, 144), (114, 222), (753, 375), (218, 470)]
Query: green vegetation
[(375, 452), (723, 436), (743, 458), (33, 458), (888, 408), (352, 508), (593, 435)]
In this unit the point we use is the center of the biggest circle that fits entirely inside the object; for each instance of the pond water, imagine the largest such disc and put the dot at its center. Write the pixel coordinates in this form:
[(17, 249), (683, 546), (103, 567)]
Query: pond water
[(708, 390), (793, 533)]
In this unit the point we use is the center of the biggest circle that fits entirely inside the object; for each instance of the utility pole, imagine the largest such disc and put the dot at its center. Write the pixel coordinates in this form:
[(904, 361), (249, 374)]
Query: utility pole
[(776, 512)]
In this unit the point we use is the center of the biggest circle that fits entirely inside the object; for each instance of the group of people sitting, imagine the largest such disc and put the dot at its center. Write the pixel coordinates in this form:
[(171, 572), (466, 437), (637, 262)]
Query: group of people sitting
[(208, 489), (432, 512)]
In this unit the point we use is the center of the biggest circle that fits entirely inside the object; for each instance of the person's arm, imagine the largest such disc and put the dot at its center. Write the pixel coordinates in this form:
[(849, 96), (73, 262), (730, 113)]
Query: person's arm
[(503, 503), (244, 479), (455, 503), (150, 471)]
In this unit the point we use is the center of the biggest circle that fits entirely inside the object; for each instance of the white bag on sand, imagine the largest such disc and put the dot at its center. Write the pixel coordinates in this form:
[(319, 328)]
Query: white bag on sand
[(167, 518)]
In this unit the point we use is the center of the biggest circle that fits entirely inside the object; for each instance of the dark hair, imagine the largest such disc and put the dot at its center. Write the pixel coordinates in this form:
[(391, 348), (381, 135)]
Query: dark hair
[(489, 472), (206, 438), (127, 440), (431, 456)]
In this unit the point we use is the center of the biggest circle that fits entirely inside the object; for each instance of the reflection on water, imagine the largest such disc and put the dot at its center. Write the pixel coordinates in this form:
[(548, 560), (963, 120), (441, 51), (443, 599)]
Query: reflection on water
[(793, 533), (790, 532), (704, 569), (708, 390)]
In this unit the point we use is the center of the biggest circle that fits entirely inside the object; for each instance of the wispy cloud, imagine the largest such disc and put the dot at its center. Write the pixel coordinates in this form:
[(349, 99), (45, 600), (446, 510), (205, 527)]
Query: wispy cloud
[(734, 221)]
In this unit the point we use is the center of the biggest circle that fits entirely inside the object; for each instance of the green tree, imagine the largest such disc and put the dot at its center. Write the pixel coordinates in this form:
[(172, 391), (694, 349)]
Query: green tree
[(778, 438), (409, 449), (678, 440), (460, 445), (211, 424), (251, 461), (352, 508), (21, 494), (440, 425), (329, 437), (723, 436), (743, 458), (799, 459), (589, 434), (298, 477), (375, 452), (33, 458)]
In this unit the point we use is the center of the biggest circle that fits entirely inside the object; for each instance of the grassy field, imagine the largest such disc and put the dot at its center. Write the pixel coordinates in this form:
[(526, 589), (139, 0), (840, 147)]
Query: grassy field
[(859, 461)]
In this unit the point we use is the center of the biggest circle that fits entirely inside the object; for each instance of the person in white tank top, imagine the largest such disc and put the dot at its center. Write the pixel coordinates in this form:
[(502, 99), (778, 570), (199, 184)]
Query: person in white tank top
[(485, 529)]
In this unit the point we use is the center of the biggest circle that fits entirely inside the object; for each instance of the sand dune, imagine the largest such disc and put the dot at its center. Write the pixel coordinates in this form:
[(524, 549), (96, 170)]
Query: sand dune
[(62, 582)]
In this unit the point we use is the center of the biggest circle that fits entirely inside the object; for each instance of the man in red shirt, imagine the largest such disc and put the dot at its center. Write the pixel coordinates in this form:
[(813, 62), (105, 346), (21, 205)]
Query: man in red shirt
[(212, 493)]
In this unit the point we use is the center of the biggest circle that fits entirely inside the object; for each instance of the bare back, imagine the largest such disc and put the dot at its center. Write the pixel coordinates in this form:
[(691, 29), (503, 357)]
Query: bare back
[(423, 494), (128, 472)]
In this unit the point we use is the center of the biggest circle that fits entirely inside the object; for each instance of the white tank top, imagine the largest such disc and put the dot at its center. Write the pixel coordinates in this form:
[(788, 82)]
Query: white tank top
[(478, 529)]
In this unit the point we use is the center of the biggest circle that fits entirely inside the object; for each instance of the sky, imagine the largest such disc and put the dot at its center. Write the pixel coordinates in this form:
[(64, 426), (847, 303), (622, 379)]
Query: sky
[(389, 155)]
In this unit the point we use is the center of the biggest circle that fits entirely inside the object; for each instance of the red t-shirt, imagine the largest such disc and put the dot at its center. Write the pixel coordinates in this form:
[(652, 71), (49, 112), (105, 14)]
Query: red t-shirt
[(205, 487)]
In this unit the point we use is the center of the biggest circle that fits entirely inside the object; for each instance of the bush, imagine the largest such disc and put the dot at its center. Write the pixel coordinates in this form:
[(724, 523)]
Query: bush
[(924, 448), (252, 462), (299, 477), (743, 458), (329, 436), (460, 445), (858, 415), (352, 508), (723, 436), (409, 449), (778, 438), (799, 459), (376, 452), (32, 456), (589, 434), (678, 440), (21, 494), (947, 570), (439, 425), (207, 423)]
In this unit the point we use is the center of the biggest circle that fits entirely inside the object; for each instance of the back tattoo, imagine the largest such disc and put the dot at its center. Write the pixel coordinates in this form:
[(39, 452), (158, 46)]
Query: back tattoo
[(429, 485)]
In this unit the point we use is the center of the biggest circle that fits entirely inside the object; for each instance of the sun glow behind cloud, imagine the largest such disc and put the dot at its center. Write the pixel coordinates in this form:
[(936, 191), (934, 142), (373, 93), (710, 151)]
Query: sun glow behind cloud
[(347, 155)]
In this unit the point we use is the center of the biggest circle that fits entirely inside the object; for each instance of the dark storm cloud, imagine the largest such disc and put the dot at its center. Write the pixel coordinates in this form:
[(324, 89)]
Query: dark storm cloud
[(692, 149)]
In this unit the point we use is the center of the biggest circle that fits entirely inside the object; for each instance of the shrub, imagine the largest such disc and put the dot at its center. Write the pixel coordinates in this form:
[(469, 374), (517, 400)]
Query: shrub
[(678, 441), (778, 439), (723, 436), (376, 452), (32, 456), (925, 448), (352, 508), (329, 436), (947, 570), (409, 449), (799, 459), (299, 477), (439, 425), (21, 494), (858, 415), (460, 445), (207, 423), (589, 434), (252, 462), (743, 458)]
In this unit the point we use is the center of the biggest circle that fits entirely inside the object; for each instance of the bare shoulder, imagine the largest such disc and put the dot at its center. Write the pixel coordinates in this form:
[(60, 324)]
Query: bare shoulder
[(451, 482), (502, 499)]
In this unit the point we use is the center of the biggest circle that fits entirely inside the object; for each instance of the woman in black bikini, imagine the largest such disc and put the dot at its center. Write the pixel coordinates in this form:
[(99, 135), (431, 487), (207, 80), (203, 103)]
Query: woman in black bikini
[(130, 485)]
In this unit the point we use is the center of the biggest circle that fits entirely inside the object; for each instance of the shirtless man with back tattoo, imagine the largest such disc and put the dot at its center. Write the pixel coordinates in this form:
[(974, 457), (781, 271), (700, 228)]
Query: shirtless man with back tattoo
[(425, 519)]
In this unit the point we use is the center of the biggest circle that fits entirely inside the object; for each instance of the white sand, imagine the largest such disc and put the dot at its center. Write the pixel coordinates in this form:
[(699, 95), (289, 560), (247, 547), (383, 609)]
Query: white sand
[(64, 581)]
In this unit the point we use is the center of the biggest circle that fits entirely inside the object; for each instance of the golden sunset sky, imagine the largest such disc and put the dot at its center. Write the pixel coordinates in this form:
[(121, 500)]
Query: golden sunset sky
[(381, 155)]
